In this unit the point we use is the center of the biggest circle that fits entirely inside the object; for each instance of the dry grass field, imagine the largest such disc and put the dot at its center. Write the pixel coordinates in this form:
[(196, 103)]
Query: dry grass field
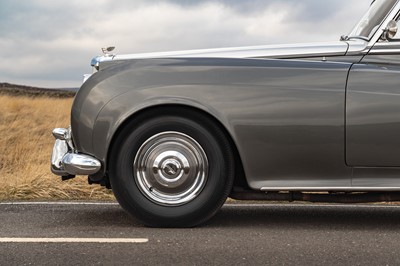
[(25, 149)]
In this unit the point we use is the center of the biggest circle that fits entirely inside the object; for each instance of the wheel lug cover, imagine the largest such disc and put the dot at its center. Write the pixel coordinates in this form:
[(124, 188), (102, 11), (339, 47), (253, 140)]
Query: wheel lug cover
[(171, 168)]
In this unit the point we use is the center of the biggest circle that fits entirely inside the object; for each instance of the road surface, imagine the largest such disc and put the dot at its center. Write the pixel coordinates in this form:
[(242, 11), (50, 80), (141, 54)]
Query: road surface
[(74, 233)]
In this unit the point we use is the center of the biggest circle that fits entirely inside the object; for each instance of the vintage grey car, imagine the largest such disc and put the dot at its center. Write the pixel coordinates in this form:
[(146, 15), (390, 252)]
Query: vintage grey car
[(174, 134)]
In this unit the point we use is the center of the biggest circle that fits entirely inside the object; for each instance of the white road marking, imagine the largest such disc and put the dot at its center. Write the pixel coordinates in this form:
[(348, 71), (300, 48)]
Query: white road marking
[(72, 240), (57, 203)]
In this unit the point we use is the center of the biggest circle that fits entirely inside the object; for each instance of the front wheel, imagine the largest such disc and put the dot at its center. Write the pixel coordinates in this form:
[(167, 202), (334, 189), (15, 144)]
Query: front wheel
[(172, 170)]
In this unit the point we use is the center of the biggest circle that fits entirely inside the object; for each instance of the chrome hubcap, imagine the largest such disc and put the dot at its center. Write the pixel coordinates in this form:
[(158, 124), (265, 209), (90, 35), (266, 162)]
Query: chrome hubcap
[(171, 168)]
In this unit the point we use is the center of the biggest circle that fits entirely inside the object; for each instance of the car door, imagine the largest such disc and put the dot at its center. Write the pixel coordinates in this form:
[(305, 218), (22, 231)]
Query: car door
[(373, 109)]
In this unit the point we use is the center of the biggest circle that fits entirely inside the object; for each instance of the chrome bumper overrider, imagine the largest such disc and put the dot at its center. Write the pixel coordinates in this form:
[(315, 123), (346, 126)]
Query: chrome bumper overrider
[(65, 161)]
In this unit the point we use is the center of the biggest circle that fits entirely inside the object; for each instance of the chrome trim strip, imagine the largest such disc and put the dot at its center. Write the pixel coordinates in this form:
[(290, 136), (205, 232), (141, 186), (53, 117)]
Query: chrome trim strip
[(384, 45), (321, 189), (356, 47), (385, 48), (265, 51), (381, 52)]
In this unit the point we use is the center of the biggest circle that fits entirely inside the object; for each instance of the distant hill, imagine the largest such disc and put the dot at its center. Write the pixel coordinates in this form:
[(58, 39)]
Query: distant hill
[(21, 90)]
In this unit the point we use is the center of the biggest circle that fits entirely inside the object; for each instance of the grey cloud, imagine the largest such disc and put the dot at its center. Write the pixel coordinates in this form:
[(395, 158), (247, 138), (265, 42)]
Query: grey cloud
[(27, 19), (54, 40), (304, 9)]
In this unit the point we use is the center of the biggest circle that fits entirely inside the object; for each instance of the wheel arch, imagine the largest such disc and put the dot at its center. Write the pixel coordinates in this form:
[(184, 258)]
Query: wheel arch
[(151, 111)]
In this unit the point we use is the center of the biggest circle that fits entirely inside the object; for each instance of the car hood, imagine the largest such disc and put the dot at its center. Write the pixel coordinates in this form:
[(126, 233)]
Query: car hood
[(285, 51)]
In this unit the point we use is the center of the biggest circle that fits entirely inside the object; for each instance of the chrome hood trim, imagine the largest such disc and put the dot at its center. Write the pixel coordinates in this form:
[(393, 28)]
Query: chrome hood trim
[(285, 51)]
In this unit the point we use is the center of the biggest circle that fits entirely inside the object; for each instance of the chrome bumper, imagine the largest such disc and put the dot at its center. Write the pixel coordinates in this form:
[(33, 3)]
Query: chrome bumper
[(65, 161)]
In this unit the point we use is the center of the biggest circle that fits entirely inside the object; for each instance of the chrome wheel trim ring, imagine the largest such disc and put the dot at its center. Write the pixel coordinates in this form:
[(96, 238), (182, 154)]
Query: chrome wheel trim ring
[(171, 168)]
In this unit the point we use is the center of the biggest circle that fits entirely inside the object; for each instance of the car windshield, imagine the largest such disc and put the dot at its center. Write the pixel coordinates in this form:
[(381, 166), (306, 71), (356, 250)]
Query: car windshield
[(370, 22)]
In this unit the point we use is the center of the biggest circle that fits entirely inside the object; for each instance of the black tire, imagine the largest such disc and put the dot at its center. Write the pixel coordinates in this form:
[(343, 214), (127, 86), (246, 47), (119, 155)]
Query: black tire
[(129, 190)]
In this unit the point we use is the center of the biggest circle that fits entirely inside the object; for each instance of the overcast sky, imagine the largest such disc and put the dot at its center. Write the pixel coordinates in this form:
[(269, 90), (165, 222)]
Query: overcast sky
[(50, 43)]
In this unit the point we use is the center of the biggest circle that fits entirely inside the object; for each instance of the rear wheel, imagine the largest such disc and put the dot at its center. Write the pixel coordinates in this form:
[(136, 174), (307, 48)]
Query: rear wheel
[(173, 170)]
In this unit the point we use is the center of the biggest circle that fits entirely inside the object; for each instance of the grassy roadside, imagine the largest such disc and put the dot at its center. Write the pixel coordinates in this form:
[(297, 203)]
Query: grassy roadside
[(25, 149)]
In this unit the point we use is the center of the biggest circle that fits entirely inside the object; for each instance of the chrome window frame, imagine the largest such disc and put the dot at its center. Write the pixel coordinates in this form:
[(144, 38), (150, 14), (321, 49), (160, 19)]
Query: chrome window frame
[(392, 15)]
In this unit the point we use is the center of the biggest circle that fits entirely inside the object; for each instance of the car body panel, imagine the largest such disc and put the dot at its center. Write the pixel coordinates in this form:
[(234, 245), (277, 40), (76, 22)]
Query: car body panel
[(268, 107), (306, 116), (373, 114), (373, 118)]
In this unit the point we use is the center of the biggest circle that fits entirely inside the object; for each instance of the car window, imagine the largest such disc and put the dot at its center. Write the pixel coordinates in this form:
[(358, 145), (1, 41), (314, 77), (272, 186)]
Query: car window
[(370, 22)]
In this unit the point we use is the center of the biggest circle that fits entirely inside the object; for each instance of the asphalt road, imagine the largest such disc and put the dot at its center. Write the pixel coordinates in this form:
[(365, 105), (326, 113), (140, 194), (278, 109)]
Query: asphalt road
[(238, 235)]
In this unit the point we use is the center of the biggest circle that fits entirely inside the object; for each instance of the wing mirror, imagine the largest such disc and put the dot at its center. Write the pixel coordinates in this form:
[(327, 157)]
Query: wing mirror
[(390, 31)]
